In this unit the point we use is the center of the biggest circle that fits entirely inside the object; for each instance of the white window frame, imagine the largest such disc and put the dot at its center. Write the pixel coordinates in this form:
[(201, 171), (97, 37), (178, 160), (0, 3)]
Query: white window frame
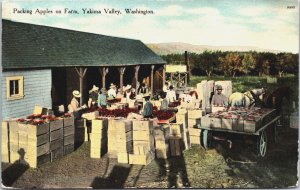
[(20, 94)]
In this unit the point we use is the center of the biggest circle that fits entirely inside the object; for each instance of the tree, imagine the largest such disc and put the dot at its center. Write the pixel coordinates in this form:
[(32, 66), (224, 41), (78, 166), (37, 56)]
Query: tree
[(231, 64), (248, 63)]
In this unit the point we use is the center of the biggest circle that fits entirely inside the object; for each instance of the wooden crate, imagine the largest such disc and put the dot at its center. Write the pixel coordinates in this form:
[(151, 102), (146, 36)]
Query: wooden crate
[(69, 121), (69, 140), (68, 149), (14, 156), (69, 130), (123, 158), (123, 137), (35, 130), (59, 143), (227, 123), (57, 153), (95, 152), (37, 151), (182, 118), (141, 159), (125, 147), (98, 126), (34, 162), (57, 134), (38, 140), (142, 147), (142, 136), (238, 125), (196, 113), (56, 124), (142, 125), (194, 122), (176, 146), (162, 150), (195, 139), (211, 122), (176, 129), (252, 126), (194, 132)]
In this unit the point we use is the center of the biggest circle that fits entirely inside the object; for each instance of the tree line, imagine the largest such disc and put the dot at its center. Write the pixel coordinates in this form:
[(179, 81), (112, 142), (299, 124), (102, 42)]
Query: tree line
[(238, 63)]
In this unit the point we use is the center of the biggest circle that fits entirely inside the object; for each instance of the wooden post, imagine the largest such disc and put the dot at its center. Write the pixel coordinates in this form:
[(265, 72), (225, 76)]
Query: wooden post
[(81, 74), (136, 76), (103, 72), (186, 79), (164, 74), (172, 74), (121, 71), (152, 71)]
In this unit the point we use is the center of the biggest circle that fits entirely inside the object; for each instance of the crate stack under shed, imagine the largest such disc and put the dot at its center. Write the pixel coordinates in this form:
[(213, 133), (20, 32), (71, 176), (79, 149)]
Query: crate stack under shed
[(98, 138), (56, 138), (194, 120)]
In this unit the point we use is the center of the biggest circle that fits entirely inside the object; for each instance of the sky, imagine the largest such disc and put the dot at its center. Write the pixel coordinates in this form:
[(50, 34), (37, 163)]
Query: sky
[(268, 24)]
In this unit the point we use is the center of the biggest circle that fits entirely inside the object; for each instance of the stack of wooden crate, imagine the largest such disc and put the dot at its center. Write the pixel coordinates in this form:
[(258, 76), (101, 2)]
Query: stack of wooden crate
[(56, 138), (5, 142), (29, 143), (182, 118), (194, 120), (119, 136), (143, 142), (161, 136), (68, 134), (176, 139), (98, 138)]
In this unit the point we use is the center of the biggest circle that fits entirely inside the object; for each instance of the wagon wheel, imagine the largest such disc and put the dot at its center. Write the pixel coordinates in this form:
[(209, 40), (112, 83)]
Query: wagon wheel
[(262, 144), (206, 138)]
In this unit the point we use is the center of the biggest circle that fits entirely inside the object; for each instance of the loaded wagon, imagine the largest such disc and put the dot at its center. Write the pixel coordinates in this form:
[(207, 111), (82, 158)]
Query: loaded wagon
[(241, 121)]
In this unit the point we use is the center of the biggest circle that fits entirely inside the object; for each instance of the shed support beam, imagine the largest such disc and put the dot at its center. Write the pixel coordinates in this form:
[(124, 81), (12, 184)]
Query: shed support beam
[(103, 72), (136, 76), (152, 71), (81, 73), (164, 74), (121, 71)]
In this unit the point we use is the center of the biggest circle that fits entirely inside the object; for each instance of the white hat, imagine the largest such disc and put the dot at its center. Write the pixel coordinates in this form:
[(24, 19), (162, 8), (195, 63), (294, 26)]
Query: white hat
[(127, 87), (76, 93), (94, 88), (112, 85)]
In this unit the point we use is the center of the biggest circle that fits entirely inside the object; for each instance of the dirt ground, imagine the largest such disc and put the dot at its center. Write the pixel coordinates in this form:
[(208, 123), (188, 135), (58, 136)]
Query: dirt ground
[(219, 167)]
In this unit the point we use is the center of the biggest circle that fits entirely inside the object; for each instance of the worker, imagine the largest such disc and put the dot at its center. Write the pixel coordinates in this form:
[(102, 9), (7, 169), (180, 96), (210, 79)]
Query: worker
[(93, 96), (112, 94), (148, 108), (74, 105), (166, 87), (127, 92), (143, 89), (102, 98), (219, 99), (164, 104), (171, 95)]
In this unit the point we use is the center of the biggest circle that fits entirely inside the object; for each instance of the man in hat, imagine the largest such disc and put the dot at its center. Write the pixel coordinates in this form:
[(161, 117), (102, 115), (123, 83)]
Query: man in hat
[(148, 108), (143, 89), (127, 92), (93, 96), (112, 94), (102, 98), (218, 98), (74, 105)]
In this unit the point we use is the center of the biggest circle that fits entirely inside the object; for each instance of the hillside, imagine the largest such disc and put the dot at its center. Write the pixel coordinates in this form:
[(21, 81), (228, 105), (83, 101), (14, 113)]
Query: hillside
[(177, 47)]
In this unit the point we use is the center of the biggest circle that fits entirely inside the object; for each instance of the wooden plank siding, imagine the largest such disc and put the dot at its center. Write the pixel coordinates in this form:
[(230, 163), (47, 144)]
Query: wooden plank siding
[(37, 91)]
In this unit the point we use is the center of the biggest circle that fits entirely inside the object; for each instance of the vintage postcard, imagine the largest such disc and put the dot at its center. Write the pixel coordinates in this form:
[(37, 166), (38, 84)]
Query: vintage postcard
[(149, 94)]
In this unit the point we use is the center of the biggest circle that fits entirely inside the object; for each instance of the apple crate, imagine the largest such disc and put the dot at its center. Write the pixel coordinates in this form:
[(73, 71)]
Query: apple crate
[(238, 125), (123, 158), (68, 149), (251, 126), (142, 125), (194, 122), (35, 162), (182, 118), (176, 129), (99, 125), (211, 122), (57, 134), (56, 124), (176, 146), (69, 130), (141, 159), (69, 121), (57, 153), (196, 113)]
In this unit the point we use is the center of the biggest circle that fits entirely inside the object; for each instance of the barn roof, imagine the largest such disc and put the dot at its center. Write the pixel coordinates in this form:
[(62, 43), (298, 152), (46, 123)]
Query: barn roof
[(35, 46)]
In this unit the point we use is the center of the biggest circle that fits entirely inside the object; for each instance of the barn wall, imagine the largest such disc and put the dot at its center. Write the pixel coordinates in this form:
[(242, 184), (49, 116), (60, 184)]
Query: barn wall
[(37, 91)]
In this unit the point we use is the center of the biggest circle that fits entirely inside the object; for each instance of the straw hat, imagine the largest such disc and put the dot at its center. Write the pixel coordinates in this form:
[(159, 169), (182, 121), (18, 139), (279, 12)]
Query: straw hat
[(112, 85), (76, 93), (127, 87), (95, 88)]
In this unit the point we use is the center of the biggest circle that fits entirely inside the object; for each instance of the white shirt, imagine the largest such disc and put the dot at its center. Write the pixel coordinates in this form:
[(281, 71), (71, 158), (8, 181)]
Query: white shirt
[(165, 88), (111, 93), (171, 95)]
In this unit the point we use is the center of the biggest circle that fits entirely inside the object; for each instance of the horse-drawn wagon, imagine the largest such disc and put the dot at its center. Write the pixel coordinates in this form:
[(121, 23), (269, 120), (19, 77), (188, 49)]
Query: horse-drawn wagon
[(242, 121)]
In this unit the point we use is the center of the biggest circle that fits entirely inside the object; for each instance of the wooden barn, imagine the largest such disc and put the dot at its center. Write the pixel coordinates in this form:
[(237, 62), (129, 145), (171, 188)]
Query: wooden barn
[(42, 65)]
